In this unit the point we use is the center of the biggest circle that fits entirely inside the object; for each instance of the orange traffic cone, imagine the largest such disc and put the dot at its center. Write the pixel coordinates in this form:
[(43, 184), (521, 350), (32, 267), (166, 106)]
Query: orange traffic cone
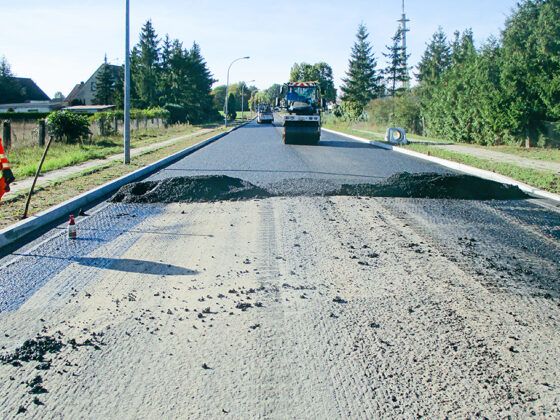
[(72, 233)]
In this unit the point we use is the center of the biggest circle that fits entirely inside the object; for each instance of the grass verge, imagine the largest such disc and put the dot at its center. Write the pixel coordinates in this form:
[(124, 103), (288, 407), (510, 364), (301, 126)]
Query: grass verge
[(56, 193), (24, 161), (362, 129), (547, 181), (352, 129)]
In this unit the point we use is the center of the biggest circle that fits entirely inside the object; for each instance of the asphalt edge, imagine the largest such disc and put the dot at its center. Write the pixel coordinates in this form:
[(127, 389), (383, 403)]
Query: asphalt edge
[(461, 167), (25, 227)]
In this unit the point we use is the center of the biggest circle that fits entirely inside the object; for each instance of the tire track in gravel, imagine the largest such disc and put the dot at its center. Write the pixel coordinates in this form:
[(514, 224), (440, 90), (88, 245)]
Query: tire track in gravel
[(454, 354), (271, 370), (490, 241), (315, 282)]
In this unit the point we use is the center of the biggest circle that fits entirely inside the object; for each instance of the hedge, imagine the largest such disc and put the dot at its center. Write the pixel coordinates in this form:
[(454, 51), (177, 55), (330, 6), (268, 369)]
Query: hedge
[(134, 114), (19, 116)]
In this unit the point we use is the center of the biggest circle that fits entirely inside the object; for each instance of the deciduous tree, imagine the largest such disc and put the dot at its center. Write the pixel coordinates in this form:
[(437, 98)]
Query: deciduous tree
[(318, 72)]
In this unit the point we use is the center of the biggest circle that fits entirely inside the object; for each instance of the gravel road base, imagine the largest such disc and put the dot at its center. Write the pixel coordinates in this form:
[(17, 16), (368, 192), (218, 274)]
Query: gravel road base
[(301, 307)]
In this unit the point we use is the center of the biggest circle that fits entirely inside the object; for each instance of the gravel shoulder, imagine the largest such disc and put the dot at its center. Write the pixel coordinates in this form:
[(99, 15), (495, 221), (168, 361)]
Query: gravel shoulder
[(305, 307)]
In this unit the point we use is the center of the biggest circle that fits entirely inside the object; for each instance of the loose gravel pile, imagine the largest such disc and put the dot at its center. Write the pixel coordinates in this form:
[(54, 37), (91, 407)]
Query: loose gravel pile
[(434, 185), (32, 350), (189, 190), (224, 188)]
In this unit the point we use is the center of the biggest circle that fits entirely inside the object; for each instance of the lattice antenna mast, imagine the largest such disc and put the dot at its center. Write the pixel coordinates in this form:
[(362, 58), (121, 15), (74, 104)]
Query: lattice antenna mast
[(404, 29)]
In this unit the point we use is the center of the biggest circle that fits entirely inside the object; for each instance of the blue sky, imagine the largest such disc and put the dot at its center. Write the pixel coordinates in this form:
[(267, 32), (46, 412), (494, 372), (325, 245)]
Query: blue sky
[(61, 42)]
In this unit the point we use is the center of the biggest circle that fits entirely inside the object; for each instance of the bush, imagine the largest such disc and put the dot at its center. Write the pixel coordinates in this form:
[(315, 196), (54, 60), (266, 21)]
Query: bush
[(231, 114), (68, 126), (350, 111), (400, 111), (177, 113), (19, 116), (157, 112)]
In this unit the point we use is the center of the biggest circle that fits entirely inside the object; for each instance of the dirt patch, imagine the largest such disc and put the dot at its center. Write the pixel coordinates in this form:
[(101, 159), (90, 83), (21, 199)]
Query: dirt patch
[(189, 190), (223, 188)]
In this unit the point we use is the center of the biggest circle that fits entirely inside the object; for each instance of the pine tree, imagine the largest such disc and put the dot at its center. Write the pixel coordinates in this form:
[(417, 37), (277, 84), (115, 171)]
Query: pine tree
[(531, 65), (201, 81), (118, 94), (135, 100), (177, 75), (362, 83), (462, 48), (165, 71), (148, 66), (396, 72), (436, 59), (105, 86)]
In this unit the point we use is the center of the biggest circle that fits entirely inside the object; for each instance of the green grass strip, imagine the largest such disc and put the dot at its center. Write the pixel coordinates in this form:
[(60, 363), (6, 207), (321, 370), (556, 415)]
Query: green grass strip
[(548, 181)]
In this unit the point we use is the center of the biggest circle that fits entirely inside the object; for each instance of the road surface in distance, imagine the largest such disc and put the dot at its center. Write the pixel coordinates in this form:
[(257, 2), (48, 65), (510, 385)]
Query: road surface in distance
[(296, 306)]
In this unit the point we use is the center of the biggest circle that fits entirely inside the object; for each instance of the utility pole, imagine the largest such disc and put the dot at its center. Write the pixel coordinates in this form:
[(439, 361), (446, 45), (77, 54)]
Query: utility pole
[(127, 88), (403, 29)]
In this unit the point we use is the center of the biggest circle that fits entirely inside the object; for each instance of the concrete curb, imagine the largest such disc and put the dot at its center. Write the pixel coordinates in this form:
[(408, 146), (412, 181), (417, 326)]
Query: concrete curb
[(470, 170), (25, 227)]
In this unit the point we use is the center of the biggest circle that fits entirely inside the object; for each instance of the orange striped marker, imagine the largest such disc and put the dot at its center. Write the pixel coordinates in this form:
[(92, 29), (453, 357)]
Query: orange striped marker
[(7, 176)]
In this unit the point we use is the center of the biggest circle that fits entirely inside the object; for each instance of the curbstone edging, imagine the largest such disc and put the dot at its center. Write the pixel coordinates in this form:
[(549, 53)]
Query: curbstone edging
[(25, 227), (461, 167)]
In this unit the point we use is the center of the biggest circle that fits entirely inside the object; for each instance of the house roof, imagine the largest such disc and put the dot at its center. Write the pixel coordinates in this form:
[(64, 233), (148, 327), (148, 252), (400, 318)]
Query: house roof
[(89, 108), (114, 70), (74, 92), (30, 91)]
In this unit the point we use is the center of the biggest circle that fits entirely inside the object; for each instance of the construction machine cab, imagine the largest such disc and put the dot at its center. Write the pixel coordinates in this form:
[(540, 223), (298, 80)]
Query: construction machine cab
[(303, 103)]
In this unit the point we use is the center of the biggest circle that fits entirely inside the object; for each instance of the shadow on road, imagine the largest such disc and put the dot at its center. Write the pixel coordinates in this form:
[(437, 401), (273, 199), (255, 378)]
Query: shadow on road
[(124, 264), (344, 144), (143, 232), (135, 266)]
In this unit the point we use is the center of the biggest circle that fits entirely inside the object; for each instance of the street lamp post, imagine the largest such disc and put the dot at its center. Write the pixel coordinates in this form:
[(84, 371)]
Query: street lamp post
[(242, 89), (227, 84), (127, 88)]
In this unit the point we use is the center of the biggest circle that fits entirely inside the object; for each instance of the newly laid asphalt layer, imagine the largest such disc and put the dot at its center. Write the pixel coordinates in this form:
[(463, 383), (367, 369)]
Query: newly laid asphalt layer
[(256, 154)]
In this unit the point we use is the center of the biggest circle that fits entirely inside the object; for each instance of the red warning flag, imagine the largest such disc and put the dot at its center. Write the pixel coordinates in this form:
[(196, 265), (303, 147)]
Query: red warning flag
[(7, 176)]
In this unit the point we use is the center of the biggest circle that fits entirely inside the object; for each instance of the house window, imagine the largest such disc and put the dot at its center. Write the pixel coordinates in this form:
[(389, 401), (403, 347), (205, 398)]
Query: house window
[(93, 86)]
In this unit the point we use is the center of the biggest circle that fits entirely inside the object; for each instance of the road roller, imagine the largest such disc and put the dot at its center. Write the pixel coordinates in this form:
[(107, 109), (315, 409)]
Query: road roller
[(302, 121)]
